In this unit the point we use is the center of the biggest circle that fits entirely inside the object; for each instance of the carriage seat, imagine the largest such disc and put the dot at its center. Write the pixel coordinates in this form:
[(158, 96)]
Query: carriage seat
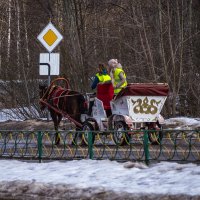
[(105, 93)]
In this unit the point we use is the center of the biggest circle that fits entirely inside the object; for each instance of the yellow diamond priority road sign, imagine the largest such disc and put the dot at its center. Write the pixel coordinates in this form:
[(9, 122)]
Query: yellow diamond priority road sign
[(50, 37)]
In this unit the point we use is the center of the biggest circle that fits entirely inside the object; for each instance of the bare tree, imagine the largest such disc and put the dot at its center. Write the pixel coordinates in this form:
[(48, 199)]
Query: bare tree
[(156, 41)]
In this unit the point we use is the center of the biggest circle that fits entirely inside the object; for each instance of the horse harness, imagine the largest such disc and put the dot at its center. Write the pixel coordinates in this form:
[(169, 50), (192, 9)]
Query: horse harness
[(54, 94)]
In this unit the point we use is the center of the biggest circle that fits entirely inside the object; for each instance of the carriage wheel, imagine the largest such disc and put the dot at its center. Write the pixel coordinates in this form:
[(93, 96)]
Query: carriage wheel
[(155, 137), (88, 127), (120, 136)]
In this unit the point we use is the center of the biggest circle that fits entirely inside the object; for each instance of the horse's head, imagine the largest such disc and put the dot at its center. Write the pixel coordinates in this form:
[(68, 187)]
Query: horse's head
[(42, 93)]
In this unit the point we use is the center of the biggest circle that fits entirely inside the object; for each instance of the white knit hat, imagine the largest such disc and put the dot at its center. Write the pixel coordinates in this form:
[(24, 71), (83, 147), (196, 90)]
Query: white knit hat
[(112, 61)]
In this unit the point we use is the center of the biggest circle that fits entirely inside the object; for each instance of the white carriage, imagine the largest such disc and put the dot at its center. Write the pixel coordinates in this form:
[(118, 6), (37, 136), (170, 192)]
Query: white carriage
[(137, 106)]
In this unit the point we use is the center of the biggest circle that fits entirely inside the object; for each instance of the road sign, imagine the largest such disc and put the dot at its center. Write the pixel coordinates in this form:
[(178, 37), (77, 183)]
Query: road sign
[(50, 37), (53, 60)]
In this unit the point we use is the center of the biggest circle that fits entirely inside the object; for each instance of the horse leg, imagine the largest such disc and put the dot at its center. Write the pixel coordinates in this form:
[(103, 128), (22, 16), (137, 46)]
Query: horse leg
[(56, 120), (77, 136), (77, 139), (57, 136)]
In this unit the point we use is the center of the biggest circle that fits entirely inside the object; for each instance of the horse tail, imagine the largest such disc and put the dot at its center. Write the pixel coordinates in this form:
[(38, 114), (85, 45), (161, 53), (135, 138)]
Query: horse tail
[(83, 104)]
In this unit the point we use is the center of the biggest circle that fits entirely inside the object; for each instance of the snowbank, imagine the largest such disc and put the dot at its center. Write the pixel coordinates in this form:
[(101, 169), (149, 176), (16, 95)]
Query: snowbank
[(92, 179)]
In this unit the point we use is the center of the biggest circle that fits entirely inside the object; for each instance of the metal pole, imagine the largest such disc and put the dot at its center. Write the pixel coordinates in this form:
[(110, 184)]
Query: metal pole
[(39, 140), (49, 81), (90, 144), (49, 71)]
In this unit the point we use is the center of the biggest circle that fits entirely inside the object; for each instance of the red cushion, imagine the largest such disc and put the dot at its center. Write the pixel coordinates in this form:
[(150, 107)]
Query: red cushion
[(105, 93)]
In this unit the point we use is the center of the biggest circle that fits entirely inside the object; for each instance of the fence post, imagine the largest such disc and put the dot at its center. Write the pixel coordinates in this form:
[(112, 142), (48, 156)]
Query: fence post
[(39, 140), (90, 145), (146, 147)]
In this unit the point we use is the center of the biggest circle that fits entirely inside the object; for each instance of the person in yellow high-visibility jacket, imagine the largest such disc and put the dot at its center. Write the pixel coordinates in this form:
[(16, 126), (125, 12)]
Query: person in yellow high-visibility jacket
[(117, 75), (101, 77)]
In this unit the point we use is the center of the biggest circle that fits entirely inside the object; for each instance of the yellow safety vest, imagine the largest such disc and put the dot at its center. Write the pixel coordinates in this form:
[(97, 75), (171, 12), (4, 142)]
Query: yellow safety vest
[(117, 79), (103, 77)]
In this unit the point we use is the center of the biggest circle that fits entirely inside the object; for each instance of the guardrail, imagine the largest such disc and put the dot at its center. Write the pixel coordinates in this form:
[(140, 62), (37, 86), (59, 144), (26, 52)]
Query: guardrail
[(175, 145)]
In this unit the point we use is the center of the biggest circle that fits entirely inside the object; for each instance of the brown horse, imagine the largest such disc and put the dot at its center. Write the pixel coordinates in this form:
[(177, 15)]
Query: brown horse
[(61, 101)]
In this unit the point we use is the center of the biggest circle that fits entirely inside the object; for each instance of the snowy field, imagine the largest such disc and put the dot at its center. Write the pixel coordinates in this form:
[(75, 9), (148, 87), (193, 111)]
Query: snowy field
[(92, 179)]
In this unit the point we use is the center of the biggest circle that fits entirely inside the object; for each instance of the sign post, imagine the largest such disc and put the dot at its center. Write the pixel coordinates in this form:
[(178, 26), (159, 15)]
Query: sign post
[(49, 62), (49, 71)]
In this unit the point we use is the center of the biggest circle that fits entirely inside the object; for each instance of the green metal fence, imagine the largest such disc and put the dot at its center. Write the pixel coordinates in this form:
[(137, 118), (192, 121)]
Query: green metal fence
[(172, 145)]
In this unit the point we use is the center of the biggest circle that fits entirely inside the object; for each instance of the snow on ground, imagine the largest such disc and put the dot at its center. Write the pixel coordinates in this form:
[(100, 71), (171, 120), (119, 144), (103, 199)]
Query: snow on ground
[(183, 123), (129, 179), (92, 179), (16, 113)]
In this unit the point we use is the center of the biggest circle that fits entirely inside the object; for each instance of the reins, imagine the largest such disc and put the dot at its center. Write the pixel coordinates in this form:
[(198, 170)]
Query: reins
[(68, 95)]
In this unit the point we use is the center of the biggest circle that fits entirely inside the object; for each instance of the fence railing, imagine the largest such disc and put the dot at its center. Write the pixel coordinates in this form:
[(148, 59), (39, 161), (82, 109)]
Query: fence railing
[(143, 145)]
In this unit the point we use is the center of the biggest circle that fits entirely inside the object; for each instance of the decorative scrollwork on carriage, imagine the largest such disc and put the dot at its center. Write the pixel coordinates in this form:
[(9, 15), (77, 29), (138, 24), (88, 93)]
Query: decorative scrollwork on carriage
[(145, 106)]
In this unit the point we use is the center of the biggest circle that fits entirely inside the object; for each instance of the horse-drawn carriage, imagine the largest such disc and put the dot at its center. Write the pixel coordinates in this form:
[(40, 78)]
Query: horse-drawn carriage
[(136, 107)]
